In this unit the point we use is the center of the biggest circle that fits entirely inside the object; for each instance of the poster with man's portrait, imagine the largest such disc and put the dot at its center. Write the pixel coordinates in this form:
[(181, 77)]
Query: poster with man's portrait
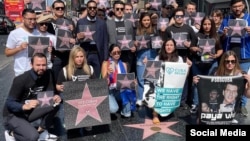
[(219, 98)]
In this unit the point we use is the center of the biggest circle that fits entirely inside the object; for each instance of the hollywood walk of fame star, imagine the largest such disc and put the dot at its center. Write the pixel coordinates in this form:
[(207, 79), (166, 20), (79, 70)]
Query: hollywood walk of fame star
[(151, 70), (45, 100), (155, 4), (125, 83), (237, 29), (198, 17), (103, 3), (143, 43), (163, 23), (87, 105), (207, 47), (179, 42), (88, 34), (64, 40), (132, 19), (64, 25), (124, 43), (151, 129), (37, 4), (38, 47), (157, 42)]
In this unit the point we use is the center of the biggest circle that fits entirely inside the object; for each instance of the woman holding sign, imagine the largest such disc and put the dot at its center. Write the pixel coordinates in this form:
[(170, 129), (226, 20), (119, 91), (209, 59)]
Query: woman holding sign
[(229, 66), (168, 53), (206, 53), (110, 69)]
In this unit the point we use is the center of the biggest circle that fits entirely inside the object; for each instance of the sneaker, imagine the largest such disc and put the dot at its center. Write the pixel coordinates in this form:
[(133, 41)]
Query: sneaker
[(46, 136), (193, 109), (9, 136), (139, 102), (244, 111), (234, 121), (126, 115)]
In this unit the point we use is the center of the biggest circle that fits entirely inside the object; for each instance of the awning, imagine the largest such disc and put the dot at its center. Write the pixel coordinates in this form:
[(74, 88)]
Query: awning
[(217, 1)]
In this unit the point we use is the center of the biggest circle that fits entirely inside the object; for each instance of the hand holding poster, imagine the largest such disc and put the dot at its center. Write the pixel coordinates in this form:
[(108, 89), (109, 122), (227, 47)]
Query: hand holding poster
[(63, 39), (37, 45), (179, 39), (168, 97), (89, 32), (125, 42), (143, 42), (125, 81), (219, 97), (236, 28), (156, 42), (86, 103), (208, 47)]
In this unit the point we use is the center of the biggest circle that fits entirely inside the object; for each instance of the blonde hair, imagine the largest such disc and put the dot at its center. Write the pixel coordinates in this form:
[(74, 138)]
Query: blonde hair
[(71, 67)]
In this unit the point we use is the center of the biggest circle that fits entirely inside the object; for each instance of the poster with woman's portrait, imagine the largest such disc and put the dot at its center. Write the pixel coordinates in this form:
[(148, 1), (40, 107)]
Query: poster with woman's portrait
[(219, 98)]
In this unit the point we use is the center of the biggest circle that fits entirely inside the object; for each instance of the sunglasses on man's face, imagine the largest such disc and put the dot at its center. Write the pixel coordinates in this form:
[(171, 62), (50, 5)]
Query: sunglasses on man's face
[(92, 8), (119, 9), (59, 8), (179, 16), (230, 61), (42, 24)]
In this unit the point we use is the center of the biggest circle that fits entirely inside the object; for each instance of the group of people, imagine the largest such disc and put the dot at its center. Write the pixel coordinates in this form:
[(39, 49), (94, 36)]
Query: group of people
[(103, 58)]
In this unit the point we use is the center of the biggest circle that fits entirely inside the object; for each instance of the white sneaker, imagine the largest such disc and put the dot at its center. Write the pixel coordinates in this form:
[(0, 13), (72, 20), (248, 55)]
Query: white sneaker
[(139, 102), (46, 136), (8, 137), (234, 121)]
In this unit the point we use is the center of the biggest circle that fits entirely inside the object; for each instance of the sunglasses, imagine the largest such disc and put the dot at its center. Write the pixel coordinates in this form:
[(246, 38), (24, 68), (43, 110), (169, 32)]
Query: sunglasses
[(42, 24), (230, 61), (117, 9), (59, 8), (116, 53), (179, 16), (92, 8)]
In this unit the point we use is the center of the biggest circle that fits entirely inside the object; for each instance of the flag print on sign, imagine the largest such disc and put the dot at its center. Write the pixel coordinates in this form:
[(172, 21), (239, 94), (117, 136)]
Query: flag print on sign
[(156, 42), (37, 5), (197, 17), (134, 18), (179, 39), (155, 4), (88, 31), (86, 103), (236, 28), (37, 45), (45, 98), (152, 70), (208, 47), (162, 23), (125, 81), (62, 23), (125, 41), (143, 42), (63, 39)]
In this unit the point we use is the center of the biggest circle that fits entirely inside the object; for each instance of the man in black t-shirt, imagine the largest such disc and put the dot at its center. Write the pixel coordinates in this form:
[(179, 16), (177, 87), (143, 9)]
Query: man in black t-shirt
[(22, 107)]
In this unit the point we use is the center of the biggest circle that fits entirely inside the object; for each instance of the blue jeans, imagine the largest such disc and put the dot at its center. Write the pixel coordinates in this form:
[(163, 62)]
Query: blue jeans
[(244, 67), (126, 109), (195, 95), (140, 80)]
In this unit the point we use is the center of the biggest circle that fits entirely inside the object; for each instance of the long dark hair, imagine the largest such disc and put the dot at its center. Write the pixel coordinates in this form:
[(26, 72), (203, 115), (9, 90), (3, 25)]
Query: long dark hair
[(141, 30), (164, 56)]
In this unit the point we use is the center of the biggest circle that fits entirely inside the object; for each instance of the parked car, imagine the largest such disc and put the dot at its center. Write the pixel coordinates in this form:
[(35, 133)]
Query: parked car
[(6, 24)]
